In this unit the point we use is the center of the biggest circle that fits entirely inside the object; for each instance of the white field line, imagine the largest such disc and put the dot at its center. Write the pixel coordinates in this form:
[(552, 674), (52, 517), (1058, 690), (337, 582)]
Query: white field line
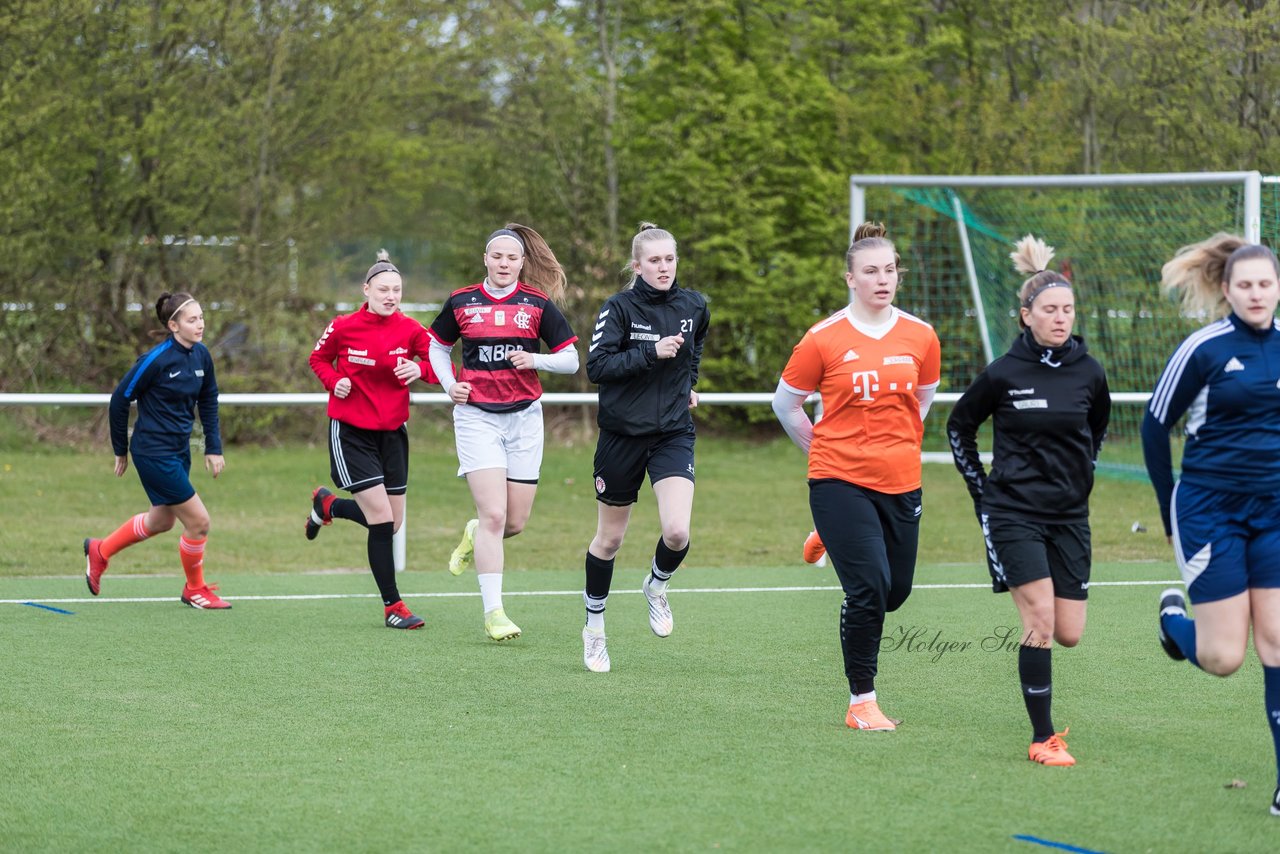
[(679, 591)]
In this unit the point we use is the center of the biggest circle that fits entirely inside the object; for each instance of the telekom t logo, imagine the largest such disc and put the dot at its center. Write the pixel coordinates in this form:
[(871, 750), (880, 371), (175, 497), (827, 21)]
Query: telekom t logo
[(865, 382)]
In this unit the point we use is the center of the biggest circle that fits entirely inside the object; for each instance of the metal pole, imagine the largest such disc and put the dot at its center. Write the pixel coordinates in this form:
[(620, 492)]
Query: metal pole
[(857, 207), (1253, 207), (971, 271)]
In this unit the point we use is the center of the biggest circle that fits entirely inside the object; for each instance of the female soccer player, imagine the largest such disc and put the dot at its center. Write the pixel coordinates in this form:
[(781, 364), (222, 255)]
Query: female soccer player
[(497, 419), (1049, 404), (170, 383), (366, 362), (1223, 516), (644, 357), (877, 368)]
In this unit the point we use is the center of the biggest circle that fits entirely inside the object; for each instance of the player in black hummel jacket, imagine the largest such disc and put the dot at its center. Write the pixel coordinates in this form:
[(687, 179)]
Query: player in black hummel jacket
[(644, 356), (1049, 403)]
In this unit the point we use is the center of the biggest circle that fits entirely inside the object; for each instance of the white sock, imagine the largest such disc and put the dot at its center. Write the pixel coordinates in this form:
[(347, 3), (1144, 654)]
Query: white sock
[(656, 584), (861, 698), (595, 612), (490, 590)]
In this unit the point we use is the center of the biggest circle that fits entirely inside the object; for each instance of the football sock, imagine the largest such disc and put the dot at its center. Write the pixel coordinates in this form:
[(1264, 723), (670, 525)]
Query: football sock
[(382, 561), (1035, 670), (1271, 685), (599, 577), (665, 562), (132, 531), (192, 552), (347, 508), (490, 590), (1183, 631), (861, 698)]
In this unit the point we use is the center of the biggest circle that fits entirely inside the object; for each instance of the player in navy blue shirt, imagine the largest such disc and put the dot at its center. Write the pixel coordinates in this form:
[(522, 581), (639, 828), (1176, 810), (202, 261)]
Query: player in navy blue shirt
[(1223, 514), (170, 383)]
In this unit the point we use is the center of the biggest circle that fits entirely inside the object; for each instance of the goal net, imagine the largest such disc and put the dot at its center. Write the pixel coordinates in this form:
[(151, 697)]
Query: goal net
[(1112, 234)]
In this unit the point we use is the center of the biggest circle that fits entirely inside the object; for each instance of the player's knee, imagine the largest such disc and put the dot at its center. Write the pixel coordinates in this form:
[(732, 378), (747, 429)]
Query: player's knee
[(513, 527), (605, 546), (1066, 638), (199, 528), (675, 536), (1220, 662), (896, 600)]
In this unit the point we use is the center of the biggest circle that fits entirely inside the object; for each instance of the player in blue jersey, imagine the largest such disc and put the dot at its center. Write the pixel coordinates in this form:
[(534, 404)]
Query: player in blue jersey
[(1223, 515), (170, 383)]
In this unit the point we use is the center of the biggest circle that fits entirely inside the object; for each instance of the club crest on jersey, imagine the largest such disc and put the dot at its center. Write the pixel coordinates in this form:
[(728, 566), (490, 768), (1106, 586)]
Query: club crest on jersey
[(600, 486), (522, 319), (399, 351), (898, 360)]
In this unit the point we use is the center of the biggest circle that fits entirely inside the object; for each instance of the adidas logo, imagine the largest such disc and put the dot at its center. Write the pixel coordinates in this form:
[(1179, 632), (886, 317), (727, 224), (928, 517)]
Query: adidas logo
[(394, 619), (849, 356), (1233, 365)]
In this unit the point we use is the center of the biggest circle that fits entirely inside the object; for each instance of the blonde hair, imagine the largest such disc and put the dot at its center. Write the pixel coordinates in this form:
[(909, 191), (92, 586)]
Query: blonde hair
[(541, 269), (871, 235), (1031, 255), (647, 233), (1197, 272)]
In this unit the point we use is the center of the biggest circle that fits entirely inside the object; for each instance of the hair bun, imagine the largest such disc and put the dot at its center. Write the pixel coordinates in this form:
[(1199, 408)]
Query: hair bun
[(869, 229), (645, 226), (383, 255)]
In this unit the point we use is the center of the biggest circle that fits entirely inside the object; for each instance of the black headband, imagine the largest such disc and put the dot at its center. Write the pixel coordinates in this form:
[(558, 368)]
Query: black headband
[(1031, 297), (380, 267)]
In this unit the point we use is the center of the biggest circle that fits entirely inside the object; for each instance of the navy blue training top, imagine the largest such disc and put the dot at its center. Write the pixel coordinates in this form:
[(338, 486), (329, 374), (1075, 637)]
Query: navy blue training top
[(169, 382), (1226, 377)]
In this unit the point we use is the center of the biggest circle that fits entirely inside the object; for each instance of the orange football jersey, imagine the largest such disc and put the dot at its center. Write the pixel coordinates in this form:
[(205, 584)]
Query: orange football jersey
[(870, 430)]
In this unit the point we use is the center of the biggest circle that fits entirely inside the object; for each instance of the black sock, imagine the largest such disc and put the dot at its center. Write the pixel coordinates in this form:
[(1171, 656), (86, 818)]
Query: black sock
[(666, 560), (347, 508), (1035, 669), (599, 577), (382, 561)]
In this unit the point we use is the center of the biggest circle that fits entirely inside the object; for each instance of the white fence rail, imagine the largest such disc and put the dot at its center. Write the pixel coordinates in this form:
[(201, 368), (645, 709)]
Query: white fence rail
[(439, 398)]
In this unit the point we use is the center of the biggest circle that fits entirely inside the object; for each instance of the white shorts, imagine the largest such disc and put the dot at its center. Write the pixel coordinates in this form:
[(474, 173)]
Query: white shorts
[(499, 440)]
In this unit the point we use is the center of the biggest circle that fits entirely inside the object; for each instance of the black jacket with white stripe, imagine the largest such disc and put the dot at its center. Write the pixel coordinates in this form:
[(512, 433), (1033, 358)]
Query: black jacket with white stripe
[(640, 394), (1049, 409)]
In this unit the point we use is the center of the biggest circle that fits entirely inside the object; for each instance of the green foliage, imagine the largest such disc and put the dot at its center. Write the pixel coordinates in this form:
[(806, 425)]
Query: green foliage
[(305, 135)]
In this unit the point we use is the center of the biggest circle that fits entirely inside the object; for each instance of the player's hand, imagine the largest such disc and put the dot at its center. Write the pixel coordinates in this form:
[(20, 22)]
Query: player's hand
[(122, 465), (693, 399), (1168, 538), (460, 392), (521, 360), (669, 346), (214, 464), (407, 370), (342, 389)]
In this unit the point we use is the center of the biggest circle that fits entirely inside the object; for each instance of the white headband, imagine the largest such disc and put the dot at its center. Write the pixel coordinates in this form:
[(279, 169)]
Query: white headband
[(180, 308)]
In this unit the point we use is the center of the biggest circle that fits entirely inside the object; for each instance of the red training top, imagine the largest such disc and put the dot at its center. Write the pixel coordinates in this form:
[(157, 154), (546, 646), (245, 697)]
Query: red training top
[(367, 347)]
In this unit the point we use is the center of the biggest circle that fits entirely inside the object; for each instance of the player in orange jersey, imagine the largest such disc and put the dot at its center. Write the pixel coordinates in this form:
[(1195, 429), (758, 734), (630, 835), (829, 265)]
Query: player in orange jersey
[(877, 369)]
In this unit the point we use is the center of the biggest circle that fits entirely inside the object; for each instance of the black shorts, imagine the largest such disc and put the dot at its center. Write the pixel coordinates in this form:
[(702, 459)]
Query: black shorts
[(360, 459), (1020, 551), (621, 463)]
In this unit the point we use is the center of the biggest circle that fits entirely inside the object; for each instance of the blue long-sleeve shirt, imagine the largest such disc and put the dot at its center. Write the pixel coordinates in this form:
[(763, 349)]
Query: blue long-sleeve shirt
[(169, 382), (1226, 378)]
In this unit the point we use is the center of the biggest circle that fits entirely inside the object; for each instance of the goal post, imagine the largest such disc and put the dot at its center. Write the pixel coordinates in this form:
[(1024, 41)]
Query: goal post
[(1111, 234)]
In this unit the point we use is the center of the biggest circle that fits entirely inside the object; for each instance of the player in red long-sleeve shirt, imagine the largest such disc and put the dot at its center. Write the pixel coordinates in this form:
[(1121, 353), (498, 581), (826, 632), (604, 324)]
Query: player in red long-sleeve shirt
[(366, 361)]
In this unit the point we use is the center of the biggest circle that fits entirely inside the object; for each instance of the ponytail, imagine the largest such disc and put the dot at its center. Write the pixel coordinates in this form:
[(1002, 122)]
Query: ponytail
[(541, 269)]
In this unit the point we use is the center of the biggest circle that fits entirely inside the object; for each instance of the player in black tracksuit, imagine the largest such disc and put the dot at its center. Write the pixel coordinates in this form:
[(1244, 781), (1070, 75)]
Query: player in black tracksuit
[(644, 356), (1049, 403)]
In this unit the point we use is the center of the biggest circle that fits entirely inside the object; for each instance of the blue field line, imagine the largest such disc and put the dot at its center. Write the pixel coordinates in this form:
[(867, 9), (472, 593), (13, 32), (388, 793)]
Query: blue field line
[(47, 607), (298, 597), (1061, 846)]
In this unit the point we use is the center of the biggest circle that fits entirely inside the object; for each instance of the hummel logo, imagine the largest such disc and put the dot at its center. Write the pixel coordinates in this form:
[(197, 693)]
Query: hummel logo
[(1233, 365), (174, 374), (849, 356)]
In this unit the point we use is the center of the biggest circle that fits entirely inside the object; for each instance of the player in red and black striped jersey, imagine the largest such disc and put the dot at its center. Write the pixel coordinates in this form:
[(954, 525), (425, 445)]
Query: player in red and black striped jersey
[(502, 323), (366, 361)]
